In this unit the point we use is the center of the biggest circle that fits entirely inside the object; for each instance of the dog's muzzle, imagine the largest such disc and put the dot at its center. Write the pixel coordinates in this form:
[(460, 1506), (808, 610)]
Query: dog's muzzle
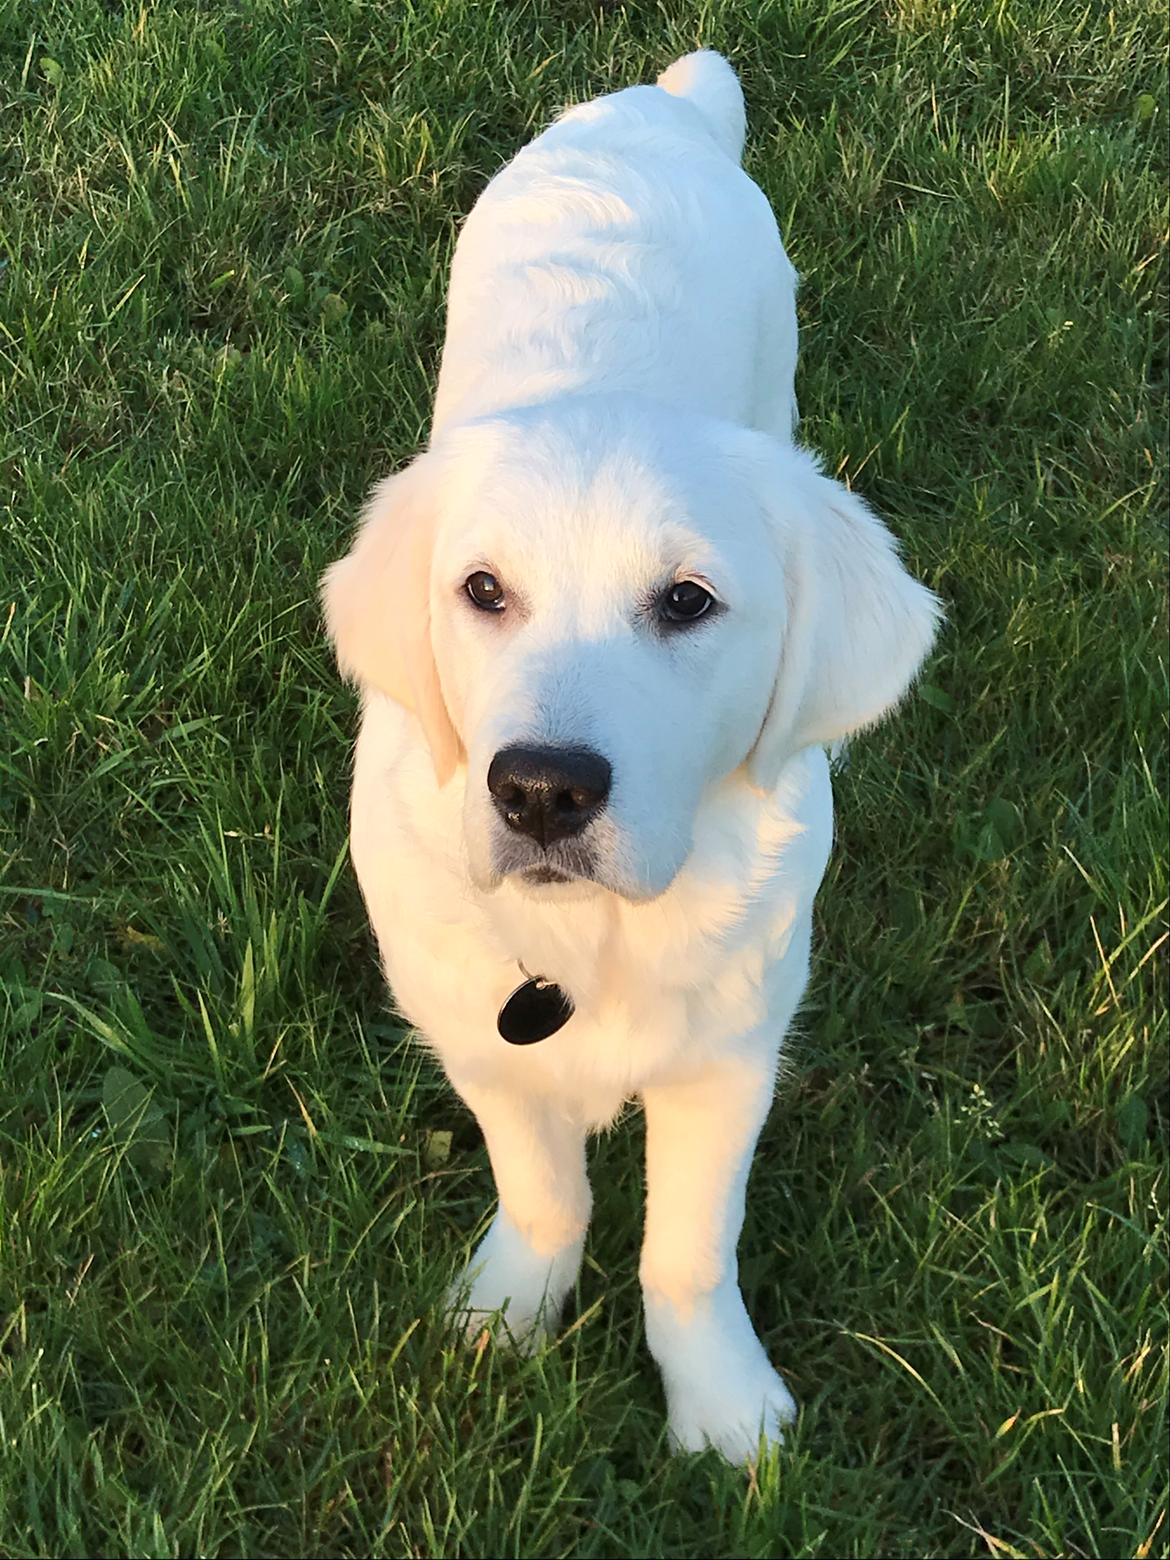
[(549, 794)]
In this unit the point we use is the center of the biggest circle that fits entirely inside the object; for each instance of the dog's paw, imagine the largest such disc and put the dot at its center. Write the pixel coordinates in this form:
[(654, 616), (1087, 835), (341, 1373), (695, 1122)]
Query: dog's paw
[(721, 1390), (508, 1279), (486, 1300), (730, 1415)]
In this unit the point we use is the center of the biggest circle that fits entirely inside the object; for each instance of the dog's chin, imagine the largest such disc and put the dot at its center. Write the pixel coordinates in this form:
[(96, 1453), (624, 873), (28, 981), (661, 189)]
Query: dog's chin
[(549, 885)]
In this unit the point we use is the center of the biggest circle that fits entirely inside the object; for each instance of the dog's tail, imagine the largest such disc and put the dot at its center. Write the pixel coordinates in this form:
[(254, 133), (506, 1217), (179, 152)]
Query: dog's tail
[(708, 82)]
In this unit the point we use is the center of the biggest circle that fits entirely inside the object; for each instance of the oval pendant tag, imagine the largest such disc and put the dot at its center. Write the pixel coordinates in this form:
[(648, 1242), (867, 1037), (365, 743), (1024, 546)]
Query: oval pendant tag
[(534, 1011)]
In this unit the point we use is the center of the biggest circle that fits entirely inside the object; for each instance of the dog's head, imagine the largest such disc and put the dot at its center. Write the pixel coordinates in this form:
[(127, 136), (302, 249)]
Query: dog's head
[(603, 609)]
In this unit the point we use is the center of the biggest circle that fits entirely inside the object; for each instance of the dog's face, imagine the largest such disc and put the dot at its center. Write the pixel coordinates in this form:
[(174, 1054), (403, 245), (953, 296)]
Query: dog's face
[(604, 610), (607, 606)]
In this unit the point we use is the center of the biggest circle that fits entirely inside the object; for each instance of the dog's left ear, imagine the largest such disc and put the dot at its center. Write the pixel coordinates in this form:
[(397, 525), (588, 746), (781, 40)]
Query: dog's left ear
[(858, 626), (377, 605)]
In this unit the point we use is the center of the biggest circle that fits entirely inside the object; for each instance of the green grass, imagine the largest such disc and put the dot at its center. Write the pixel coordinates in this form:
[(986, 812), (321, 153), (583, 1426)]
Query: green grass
[(229, 1205)]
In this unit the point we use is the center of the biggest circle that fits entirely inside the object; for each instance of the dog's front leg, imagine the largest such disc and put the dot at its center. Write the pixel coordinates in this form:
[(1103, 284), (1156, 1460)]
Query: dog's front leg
[(700, 1136), (528, 1260)]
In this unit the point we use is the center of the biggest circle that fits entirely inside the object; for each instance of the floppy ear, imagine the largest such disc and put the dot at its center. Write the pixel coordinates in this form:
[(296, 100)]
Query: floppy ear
[(858, 629), (377, 605)]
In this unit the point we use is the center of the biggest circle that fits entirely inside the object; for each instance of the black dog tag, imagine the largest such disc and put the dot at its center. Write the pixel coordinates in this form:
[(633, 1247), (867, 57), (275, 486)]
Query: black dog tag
[(534, 1011)]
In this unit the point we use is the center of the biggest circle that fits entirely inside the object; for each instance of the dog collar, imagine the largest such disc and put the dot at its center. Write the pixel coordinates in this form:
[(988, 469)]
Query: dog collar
[(536, 1009)]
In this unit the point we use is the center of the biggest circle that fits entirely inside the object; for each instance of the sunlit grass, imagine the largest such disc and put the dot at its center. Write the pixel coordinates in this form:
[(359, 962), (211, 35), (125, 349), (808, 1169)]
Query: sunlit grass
[(230, 1204)]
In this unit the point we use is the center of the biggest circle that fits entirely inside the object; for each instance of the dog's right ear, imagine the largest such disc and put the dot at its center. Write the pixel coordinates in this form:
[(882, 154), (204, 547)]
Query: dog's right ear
[(858, 625), (377, 605)]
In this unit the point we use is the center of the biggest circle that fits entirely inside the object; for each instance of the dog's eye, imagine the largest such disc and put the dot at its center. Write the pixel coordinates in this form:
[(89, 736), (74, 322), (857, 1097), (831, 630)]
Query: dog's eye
[(685, 602), (486, 591)]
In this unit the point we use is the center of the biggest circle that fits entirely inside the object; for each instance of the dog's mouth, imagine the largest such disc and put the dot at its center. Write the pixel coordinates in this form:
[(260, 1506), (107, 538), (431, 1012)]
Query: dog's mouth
[(540, 876), (535, 866)]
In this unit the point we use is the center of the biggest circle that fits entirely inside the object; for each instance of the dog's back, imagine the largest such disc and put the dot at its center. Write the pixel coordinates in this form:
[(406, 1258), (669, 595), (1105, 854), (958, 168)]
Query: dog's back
[(637, 260)]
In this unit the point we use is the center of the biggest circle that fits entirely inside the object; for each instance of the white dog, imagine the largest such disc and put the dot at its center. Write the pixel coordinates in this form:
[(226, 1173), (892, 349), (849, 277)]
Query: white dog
[(604, 628)]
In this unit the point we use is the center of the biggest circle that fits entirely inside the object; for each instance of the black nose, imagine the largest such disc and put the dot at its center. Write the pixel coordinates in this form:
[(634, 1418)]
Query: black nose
[(548, 793)]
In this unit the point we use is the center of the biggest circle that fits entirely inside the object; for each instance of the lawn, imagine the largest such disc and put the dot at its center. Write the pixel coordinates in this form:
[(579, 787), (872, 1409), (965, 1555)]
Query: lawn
[(231, 1194)]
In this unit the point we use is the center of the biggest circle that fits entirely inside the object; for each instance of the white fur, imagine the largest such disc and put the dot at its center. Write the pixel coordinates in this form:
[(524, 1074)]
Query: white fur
[(615, 412)]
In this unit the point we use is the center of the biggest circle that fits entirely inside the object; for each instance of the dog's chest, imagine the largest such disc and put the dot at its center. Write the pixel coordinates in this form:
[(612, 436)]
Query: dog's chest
[(682, 986), (657, 987)]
